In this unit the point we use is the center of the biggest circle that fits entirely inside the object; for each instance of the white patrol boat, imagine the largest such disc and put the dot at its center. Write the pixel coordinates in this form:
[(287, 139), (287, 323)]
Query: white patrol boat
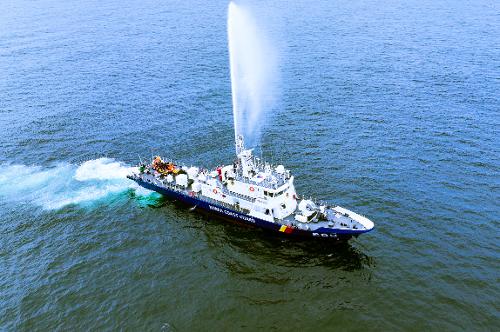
[(252, 192)]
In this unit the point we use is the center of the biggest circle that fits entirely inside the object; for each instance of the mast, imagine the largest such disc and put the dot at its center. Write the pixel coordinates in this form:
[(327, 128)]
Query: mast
[(240, 145), (244, 156)]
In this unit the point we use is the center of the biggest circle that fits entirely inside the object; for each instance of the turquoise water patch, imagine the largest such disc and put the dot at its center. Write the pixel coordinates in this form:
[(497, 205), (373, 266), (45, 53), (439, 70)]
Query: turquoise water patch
[(146, 198)]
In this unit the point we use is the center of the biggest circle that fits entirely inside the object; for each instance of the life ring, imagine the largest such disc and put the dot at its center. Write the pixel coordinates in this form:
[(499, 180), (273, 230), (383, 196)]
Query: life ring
[(252, 189), (191, 193), (215, 191)]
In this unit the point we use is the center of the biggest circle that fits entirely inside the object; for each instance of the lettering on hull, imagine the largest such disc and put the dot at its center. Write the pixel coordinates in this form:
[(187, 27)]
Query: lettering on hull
[(333, 235), (231, 214)]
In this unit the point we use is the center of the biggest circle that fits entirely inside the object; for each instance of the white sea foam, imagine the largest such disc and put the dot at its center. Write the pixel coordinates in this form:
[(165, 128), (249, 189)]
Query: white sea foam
[(102, 169), (66, 184)]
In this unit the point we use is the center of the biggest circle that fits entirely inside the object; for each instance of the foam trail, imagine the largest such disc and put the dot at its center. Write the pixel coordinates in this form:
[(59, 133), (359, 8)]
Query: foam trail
[(66, 184), (102, 169), (254, 74)]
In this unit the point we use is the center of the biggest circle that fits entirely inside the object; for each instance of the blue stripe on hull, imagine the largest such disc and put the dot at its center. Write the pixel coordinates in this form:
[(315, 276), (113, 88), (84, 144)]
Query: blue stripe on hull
[(322, 233)]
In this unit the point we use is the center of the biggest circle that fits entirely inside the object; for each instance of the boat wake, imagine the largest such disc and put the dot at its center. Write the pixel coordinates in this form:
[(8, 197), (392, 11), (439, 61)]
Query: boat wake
[(66, 184)]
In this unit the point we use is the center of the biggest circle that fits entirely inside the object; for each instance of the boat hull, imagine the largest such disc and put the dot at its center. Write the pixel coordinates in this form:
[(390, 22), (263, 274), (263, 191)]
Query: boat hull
[(244, 219)]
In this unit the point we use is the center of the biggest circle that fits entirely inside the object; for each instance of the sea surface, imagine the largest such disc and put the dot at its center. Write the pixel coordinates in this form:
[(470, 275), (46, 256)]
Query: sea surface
[(389, 108)]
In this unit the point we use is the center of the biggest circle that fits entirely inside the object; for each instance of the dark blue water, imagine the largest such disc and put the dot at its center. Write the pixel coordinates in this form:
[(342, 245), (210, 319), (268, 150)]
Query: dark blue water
[(388, 108)]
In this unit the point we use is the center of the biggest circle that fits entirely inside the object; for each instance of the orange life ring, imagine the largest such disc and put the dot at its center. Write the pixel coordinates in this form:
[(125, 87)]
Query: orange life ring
[(252, 189), (215, 191)]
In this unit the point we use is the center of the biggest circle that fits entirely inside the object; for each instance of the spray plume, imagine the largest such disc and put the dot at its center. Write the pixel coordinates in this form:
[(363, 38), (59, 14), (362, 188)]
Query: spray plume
[(254, 74)]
